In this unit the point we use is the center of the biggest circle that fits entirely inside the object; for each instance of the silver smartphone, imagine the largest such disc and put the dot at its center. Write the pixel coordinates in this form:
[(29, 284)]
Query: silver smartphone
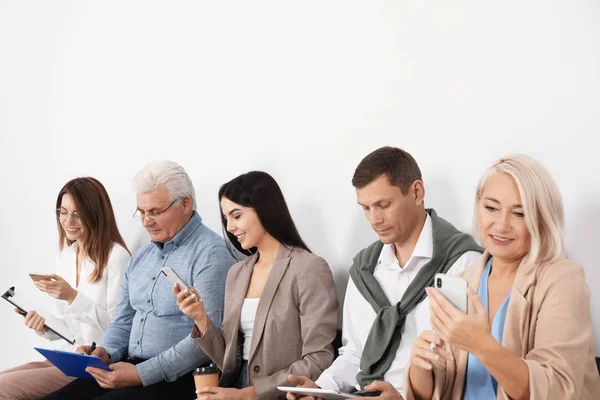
[(175, 279), (454, 288)]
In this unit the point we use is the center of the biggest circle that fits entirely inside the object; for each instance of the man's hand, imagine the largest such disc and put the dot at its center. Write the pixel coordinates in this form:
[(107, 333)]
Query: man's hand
[(99, 352), (122, 375), (388, 391), (301, 381)]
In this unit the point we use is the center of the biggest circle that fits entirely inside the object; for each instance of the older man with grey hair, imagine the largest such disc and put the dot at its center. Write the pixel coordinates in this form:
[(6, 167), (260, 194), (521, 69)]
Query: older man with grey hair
[(148, 343)]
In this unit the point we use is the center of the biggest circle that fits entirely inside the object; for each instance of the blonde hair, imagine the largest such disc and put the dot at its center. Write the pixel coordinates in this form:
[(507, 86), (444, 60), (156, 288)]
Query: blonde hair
[(542, 206)]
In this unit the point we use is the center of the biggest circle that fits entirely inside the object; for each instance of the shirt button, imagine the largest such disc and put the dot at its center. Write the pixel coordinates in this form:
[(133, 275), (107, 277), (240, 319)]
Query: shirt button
[(256, 369), (148, 300), (162, 257), (138, 342), (153, 278), (142, 320)]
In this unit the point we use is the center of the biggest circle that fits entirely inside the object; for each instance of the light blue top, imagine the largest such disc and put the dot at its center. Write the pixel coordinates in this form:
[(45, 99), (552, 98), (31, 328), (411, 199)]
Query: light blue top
[(479, 384), (147, 323)]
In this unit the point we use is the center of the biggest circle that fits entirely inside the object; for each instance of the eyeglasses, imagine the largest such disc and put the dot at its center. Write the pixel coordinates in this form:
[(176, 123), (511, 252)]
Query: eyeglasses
[(63, 215), (150, 216)]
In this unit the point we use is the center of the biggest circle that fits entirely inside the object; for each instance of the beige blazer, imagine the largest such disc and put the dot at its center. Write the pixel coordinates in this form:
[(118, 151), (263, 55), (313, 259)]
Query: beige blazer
[(548, 325), (294, 328)]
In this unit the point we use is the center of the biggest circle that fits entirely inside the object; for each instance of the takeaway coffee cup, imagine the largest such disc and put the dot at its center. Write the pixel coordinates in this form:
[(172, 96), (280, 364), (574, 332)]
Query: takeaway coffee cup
[(206, 376)]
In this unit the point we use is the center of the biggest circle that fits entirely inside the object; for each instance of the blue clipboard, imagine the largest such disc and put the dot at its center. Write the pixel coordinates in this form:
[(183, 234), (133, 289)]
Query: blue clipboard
[(73, 364)]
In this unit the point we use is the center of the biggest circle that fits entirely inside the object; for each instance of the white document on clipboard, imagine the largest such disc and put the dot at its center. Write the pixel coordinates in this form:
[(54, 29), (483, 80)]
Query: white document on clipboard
[(52, 323)]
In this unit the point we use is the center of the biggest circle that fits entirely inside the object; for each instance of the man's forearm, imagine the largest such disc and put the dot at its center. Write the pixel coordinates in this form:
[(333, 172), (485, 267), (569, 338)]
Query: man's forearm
[(172, 363)]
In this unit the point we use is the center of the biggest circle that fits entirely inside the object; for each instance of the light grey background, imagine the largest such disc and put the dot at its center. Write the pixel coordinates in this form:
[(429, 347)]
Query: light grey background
[(302, 90)]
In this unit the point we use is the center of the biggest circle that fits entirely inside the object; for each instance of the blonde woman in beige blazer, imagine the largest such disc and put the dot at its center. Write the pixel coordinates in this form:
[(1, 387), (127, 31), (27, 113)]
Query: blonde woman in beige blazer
[(538, 304), (281, 306)]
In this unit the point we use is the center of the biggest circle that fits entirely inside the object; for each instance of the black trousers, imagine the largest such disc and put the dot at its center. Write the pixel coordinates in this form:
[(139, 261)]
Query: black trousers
[(85, 389)]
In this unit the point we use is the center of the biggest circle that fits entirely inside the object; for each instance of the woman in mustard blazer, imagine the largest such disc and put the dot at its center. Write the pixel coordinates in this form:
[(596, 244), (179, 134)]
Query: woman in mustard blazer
[(528, 332), (281, 306)]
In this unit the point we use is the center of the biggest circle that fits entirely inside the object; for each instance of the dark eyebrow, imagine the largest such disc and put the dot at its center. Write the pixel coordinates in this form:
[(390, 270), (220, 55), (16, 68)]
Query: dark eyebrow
[(234, 210), (378, 202)]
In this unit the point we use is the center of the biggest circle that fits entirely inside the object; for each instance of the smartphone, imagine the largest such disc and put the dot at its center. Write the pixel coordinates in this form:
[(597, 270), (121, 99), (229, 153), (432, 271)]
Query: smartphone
[(39, 277), (454, 288), (364, 393), (175, 279)]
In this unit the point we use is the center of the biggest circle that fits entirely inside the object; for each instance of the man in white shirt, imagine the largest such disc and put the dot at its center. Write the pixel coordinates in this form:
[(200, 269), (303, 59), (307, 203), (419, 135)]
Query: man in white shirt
[(414, 244)]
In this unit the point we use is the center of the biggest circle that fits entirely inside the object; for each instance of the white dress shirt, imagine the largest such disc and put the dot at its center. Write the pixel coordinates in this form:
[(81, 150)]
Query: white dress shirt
[(88, 316), (358, 315)]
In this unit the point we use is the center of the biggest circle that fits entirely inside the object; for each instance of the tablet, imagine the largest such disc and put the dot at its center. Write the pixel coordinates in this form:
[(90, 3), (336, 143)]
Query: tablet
[(73, 364), (326, 394)]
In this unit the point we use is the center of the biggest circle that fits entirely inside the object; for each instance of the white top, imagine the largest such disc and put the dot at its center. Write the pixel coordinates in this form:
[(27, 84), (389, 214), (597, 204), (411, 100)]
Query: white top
[(247, 323), (90, 313), (359, 315)]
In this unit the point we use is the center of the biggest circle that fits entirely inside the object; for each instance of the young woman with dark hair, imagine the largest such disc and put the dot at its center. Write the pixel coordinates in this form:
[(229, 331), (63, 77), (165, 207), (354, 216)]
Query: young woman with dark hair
[(86, 285), (281, 306)]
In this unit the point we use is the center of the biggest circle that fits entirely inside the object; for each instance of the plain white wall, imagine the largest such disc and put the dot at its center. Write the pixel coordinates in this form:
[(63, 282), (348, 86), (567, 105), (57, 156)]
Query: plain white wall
[(302, 90)]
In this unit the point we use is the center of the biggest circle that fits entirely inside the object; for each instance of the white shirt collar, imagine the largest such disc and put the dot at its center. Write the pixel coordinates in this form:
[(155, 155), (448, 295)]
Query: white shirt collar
[(70, 248), (423, 248)]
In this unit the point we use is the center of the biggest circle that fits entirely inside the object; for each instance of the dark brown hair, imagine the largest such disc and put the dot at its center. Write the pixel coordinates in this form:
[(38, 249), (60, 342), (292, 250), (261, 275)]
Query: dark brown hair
[(258, 190), (399, 166), (98, 219)]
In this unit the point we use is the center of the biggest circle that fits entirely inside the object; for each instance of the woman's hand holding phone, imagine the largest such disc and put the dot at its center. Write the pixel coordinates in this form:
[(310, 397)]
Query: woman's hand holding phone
[(188, 305), (468, 332), (58, 288), (39, 277)]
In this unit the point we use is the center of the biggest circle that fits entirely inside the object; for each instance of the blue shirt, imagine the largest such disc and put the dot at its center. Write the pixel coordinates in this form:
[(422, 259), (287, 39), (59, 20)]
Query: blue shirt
[(147, 324), (479, 384)]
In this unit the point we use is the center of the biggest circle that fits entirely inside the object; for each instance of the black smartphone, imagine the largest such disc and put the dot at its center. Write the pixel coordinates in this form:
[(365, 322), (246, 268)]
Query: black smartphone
[(364, 393)]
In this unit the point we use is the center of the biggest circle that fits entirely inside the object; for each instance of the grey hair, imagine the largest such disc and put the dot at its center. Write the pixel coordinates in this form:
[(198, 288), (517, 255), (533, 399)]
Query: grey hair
[(542, 205), (167, 175)]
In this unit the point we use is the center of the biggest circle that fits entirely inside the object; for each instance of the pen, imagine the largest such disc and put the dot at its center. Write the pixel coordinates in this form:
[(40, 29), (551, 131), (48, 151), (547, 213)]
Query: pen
[(92, 348)]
